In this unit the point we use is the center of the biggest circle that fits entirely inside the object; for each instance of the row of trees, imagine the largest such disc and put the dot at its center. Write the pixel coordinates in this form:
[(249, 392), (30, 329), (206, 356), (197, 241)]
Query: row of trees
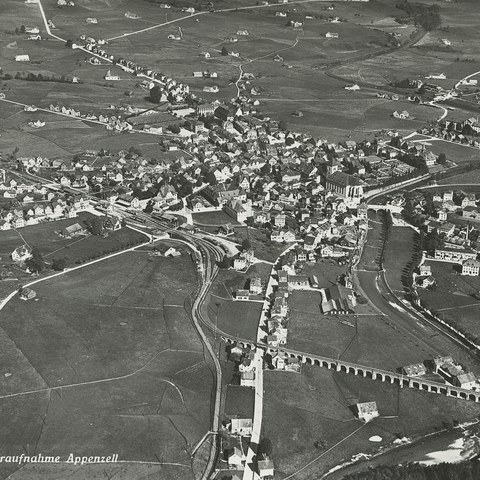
[(32, 77), (36, 263)]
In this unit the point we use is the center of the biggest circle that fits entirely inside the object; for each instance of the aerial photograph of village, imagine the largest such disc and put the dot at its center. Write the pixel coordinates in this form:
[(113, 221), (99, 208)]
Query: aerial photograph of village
[(240, 239)]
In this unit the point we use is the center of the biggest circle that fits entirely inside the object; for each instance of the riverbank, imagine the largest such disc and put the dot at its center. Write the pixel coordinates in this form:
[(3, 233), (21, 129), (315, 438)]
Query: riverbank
[(448, 446)]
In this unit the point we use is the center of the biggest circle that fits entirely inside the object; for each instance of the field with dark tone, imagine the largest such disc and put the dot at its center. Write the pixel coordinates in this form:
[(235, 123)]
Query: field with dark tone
[(113, 365), (315, 409)]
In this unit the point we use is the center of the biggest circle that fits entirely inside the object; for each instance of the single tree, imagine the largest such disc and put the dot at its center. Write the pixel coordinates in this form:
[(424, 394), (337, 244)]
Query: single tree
[(59, 264), (96, 226), (224, 51), (35, 263), (155, 94), (264, 447), (246, 245)]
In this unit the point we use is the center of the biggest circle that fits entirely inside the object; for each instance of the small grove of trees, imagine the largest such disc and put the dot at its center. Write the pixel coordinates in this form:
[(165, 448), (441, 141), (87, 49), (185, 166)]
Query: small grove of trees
[(404, 83), (155, 94), (264, 448), (246, 245), (427, 16), (35, 263), (59, 264), (19, 31), (224, 51), (225, 263), (94, 226), (431, 241)]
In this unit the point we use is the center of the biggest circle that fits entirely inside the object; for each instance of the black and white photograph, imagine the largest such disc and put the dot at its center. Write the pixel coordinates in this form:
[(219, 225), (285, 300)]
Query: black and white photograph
[(239, 240)]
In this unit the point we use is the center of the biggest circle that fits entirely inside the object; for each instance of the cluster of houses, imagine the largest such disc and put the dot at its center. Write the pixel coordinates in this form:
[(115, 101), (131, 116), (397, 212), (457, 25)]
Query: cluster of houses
[(30, 204), (112, 122), (466, 132), (451, 372), (459, 243), (238, 427), (172, 91)]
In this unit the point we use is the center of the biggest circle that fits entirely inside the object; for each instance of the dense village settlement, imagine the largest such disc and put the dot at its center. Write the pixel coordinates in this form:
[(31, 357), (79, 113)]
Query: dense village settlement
[(239, 239)]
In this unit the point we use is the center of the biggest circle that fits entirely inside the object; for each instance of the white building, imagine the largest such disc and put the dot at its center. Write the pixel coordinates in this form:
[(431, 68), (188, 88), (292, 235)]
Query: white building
[(109, 76), (471, 268), (367, 411)]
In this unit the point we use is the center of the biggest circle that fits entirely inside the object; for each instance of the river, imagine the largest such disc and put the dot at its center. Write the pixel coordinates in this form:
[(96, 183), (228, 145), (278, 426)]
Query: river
[(449, 446)]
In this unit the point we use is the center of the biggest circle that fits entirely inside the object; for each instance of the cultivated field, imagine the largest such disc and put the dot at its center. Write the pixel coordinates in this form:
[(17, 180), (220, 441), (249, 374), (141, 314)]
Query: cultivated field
[(116, 338)]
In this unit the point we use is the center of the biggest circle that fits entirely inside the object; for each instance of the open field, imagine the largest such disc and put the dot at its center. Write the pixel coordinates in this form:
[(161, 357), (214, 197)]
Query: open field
[(304, 50), (215, 218), (235, 317), (451, 299), (310, 331), (239, 401), (472, 177), (315, 412), (117, 340), (400, 252), (373, 244)]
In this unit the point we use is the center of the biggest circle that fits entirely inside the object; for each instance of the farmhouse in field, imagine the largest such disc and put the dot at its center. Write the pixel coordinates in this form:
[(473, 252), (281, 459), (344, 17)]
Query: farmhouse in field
[(27, 294), (266, 468), (22, 58), (20, 254), (367, 411)]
